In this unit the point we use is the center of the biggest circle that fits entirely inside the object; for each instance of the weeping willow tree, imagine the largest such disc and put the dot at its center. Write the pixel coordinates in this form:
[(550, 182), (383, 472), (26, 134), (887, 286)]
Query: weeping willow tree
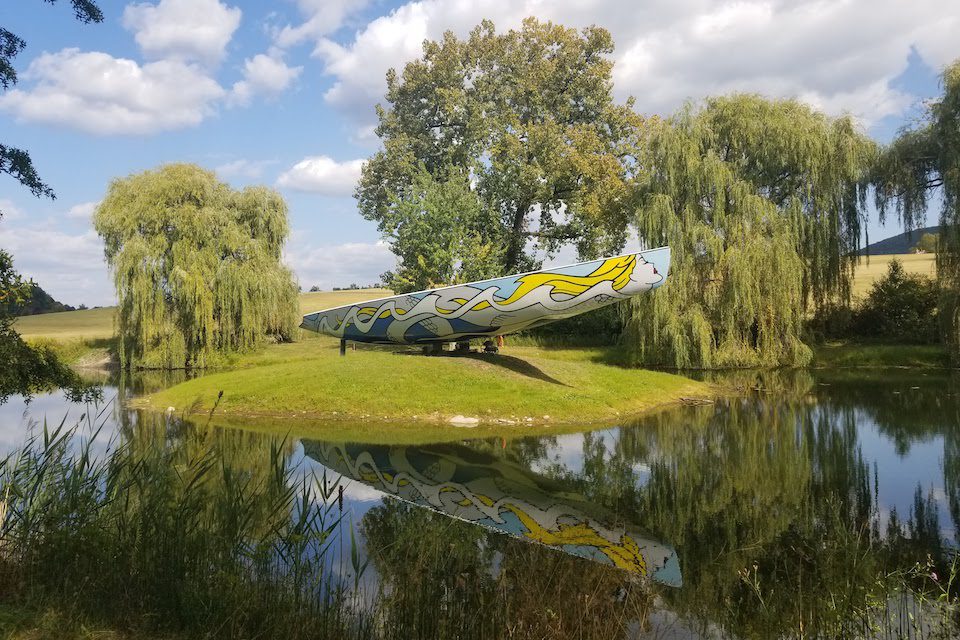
[(923, 164), (196, 266), (762, 204)]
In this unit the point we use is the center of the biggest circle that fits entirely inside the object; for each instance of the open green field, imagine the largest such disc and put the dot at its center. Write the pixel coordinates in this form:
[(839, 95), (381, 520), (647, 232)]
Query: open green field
[(523, 385), (68, 325), (873, 268)]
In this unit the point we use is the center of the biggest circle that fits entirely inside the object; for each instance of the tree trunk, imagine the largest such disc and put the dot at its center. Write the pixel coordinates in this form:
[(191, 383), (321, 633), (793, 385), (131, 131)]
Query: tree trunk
[(515, 248)]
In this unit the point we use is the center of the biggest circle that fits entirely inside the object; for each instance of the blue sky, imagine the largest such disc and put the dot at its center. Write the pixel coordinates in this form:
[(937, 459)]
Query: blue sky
[(282, 93)]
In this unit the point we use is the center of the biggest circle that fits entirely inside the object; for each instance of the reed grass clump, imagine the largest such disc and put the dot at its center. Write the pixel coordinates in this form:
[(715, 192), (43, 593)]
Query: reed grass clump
[(170, 532)]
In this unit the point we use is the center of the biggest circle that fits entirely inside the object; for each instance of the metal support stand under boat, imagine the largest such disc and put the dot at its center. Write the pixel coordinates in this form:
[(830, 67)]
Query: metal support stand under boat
[(343, 347)]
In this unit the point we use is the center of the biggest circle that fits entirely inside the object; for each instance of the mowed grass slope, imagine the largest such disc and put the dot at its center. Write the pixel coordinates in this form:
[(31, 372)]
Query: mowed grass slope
[(311, 380), (91, 324)]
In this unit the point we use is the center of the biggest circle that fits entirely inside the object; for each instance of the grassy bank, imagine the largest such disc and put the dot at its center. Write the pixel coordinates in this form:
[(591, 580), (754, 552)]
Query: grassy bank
[(839, 355), (522, 385)]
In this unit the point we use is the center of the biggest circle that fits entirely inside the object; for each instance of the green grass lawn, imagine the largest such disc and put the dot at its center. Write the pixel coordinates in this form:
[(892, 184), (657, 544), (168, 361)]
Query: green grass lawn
[(68, 325), (309, 380), (839, 355)]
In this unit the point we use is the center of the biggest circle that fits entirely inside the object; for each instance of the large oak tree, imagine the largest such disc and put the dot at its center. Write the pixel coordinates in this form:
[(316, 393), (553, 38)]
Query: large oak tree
[(527, 120)]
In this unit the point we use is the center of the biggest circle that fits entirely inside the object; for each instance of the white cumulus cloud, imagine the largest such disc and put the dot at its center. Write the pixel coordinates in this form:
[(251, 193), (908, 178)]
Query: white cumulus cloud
[(322, 18), (9, 211), (187, 30), (249, 169), (71, 268), (264, 74), (82, 211), (840, 56), (323, 175), (340, 265), (100, 94)]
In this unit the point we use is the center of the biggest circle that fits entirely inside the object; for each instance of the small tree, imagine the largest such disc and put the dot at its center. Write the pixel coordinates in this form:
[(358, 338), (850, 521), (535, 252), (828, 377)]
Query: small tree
[(441, 235), (927, 243), (196, 266), (26, 369), (900, 307)]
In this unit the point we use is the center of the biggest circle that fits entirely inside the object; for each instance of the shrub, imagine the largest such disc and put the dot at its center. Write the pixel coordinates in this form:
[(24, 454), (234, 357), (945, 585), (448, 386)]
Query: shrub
[(900, 307)]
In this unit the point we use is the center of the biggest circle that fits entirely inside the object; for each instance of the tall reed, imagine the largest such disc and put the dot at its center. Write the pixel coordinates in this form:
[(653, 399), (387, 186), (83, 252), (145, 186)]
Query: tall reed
[(171, 530)]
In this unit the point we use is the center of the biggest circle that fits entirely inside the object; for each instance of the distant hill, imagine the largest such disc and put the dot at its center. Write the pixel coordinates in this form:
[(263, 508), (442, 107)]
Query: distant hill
[(40, 302), (902, 243)]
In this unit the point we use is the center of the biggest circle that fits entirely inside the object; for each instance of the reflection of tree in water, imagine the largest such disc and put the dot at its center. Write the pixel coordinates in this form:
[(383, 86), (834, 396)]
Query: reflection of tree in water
[(442, 578), (770, 505), (906, 407)]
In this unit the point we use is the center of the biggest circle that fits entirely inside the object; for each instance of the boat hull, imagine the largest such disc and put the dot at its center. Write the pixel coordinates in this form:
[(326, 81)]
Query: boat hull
[(495, 307)]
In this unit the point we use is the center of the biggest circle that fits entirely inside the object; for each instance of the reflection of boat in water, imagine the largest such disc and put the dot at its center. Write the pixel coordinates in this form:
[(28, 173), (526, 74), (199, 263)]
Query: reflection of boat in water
[(502, 496)]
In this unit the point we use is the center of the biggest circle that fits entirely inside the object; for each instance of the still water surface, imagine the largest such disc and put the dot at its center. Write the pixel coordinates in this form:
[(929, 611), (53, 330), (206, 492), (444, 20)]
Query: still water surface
[(756, 516)]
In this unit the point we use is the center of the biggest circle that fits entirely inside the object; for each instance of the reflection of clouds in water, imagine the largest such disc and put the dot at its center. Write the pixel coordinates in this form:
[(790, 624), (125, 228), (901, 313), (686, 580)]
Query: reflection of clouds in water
[(19, 420), (566, 452), (901, 473), (357, 500), (641, 471)]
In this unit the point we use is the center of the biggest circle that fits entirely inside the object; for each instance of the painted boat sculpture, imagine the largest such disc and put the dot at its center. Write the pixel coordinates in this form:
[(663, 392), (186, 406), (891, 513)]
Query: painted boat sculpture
[(498, 494), (494, 307)]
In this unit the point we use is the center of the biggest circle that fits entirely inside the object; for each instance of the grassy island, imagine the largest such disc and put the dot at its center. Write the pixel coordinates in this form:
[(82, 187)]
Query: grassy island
[(523, 385)]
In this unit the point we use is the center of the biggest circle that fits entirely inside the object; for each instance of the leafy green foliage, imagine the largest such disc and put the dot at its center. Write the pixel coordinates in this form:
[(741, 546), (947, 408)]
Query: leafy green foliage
[(10, 46), (901, 307), (26, 370), (36, 301), (761, 203), (86, 11), (927, 243), (196, 266), (923, 163), (441, 235), (526, 120)]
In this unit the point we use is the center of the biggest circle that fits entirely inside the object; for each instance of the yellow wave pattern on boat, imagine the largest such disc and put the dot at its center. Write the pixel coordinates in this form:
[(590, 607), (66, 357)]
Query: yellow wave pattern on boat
[(615, 270), (625, 555)]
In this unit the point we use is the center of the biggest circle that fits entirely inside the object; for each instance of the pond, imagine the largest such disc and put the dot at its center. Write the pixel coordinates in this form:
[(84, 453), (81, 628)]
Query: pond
[(782, 511)]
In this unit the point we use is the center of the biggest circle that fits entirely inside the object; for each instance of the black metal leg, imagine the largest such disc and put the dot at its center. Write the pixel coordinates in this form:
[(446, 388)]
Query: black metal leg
[(343, 347)]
